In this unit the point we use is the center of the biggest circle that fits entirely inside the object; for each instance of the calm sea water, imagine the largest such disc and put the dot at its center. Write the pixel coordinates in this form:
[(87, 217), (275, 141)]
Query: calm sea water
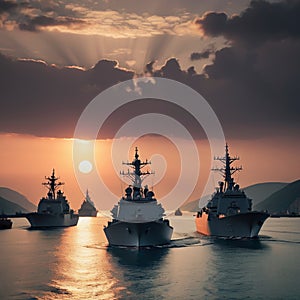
[(75, 263)]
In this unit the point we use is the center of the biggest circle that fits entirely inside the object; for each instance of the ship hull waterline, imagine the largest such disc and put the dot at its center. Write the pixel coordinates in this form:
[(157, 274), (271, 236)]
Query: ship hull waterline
[(153, 233), (88, 214), (43, 221), (243, 225)]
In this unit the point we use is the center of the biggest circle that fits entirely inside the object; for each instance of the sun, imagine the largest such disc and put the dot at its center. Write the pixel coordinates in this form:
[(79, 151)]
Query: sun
[(85, 166)]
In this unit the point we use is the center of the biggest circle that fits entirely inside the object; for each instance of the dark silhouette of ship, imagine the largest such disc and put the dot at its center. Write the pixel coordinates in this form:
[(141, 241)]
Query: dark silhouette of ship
[(87, 208), (53, 210), (178, 212)]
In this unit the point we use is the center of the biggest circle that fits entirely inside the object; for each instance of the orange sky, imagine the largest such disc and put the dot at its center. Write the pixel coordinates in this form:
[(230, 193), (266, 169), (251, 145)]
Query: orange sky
[(25, 160)]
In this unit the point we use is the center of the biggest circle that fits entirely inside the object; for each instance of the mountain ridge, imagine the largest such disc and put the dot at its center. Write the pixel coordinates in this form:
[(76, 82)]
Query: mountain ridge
[(10, 208), (17, 198), (282, 200)]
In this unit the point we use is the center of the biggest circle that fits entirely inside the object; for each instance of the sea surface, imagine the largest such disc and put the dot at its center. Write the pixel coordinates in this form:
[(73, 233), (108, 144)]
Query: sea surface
[(76, 263)]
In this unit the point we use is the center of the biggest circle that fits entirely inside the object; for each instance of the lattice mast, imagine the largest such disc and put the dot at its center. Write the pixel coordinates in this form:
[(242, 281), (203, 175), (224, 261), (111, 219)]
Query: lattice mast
[(227, 170), (51, 184), (136, 175)]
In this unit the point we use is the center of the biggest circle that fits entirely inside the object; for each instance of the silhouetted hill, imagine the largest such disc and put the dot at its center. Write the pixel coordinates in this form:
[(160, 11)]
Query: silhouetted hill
[(260, 191), (7, 207), (280, 201), (194, 205), (16, 198)]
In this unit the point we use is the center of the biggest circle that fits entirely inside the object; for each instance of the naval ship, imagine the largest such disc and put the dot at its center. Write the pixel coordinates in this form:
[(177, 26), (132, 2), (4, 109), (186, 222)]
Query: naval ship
[(53, 210), (229, 212), (138, 219), (87, 208)]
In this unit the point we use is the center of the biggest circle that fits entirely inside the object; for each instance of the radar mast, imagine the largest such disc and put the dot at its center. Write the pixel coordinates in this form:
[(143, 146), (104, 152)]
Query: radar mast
[(136, 175), (51, 184), (227, 170)]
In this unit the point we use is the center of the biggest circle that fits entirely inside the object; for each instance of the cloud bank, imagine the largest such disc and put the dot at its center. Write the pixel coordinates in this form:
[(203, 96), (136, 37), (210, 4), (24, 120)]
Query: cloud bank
[(252, 83)]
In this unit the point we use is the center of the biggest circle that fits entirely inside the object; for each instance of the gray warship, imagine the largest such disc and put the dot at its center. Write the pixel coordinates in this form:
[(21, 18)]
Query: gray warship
[(53, 210), (138, 219), (229, 212)]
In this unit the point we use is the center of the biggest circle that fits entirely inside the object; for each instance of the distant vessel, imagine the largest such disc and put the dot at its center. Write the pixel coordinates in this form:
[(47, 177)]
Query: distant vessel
[(5, 223), (54, 210), (137, 219), (229, 212), (178, 212), (87, 208)]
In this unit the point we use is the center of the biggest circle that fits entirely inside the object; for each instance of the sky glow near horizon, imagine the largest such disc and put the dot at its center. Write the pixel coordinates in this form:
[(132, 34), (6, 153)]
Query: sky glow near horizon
[(25, 172)]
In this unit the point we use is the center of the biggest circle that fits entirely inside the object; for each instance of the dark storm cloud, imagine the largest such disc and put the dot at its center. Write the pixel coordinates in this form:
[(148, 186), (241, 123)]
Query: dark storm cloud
[(252, 87), (7, 6), (262, 20), (213, 23), (254, 95), (149, 67), (172, 69), (253, 83), (107, 73), (45, 100), (201, 55)]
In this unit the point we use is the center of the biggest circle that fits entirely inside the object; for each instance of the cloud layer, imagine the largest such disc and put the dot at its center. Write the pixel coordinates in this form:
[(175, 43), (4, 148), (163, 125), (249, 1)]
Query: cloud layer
[(44, 100), (262, 21), (252, 82), (92, 18)]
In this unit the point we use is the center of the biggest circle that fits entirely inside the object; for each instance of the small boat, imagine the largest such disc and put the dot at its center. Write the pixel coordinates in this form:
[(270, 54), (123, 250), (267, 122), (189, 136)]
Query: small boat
[(53, 210), (138, 219), (229, 212), (5, 223), (178, 212), (87, 208)]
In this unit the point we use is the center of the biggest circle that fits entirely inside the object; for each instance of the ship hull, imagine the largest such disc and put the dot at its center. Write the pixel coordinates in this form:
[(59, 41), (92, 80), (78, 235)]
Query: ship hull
[(245, 225), (38, 220), (88, 214), (154, 233)]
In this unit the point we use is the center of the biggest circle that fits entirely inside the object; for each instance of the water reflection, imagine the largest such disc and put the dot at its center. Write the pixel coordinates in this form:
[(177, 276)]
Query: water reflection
[(83, 271), (28, 260), (234, 261), (75, 263), (145, 257), (83, 267), (241, 243), (88, 269), (139, 271)]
